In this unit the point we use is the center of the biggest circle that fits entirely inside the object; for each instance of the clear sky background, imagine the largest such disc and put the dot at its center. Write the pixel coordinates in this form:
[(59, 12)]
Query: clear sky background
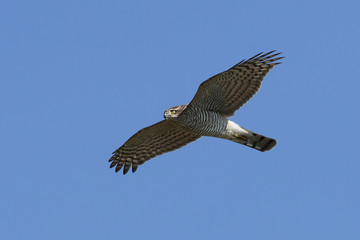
[(78, 78)]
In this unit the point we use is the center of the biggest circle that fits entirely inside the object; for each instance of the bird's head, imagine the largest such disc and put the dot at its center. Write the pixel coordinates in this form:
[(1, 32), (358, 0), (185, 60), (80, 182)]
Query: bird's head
[(174, 112)]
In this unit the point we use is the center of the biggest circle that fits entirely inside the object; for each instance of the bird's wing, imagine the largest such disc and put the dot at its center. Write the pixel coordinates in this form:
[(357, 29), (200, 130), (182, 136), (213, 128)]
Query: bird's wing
[(226, 92), (162, 137)]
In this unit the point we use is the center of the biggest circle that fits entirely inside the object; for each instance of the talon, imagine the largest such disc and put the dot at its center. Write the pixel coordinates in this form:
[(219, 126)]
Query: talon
[(242, 138)]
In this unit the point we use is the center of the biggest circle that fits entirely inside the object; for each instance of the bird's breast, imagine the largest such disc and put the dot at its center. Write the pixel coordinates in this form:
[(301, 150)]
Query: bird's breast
[(203, 122)]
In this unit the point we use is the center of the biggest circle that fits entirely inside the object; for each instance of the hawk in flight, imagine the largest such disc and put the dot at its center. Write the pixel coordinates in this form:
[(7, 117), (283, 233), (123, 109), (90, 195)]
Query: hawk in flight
[(206, 115)]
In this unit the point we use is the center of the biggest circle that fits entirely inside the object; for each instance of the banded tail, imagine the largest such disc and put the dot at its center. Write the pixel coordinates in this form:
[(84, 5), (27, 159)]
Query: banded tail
[(248, 138), (256, 141), (261, 143)]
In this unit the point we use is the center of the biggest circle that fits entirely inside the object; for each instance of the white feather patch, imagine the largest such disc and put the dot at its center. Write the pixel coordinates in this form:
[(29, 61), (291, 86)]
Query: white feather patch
[(233, 128)]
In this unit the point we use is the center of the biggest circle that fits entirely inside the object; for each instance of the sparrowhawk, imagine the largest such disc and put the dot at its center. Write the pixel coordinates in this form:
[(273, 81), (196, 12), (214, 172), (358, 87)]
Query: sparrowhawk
[(206, 115)]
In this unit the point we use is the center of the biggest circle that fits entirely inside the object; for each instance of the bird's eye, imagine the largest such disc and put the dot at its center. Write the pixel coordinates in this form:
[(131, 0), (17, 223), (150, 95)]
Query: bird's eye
[(172, 111)]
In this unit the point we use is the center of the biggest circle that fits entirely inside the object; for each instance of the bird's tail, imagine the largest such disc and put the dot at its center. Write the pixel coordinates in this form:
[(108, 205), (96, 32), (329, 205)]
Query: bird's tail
[(256, 141)]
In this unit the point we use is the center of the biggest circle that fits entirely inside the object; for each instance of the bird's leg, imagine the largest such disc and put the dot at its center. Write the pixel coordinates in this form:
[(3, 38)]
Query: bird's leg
[(240, 137)]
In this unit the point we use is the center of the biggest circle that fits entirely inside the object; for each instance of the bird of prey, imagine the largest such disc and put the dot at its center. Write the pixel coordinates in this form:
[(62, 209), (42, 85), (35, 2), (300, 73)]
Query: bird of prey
[(206, 115)]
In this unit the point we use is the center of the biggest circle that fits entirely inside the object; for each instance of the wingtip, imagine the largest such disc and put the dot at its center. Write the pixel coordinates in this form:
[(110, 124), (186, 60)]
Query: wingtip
[(270, 58), (113, 164), (267, 58), (126, 169), (134, 168)]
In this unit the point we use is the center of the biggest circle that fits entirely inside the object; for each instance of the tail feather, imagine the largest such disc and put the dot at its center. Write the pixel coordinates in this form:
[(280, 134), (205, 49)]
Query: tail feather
[(256, 141), (261, 143)]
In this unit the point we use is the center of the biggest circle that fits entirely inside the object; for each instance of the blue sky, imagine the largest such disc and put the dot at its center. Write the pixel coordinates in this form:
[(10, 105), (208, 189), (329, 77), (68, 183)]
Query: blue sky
[(78, 78)]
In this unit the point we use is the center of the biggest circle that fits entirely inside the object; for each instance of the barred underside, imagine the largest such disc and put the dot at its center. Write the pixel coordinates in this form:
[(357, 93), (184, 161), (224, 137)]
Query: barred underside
[(203, 122)]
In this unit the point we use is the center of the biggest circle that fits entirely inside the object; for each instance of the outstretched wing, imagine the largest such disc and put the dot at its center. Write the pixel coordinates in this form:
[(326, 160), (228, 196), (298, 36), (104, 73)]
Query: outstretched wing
[(226, 92), (162, 137)]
